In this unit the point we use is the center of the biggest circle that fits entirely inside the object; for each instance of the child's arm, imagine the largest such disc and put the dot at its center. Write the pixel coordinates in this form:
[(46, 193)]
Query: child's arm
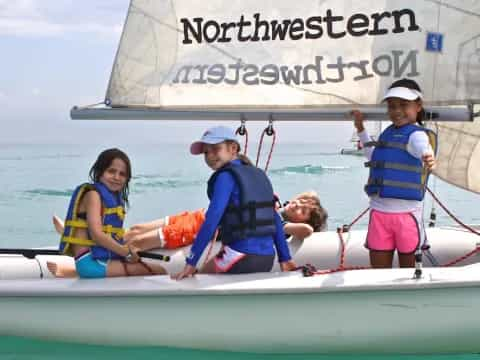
[(222, 191), (283, 252), (94, 220), (298, 230), (358, 122), (419, 147)]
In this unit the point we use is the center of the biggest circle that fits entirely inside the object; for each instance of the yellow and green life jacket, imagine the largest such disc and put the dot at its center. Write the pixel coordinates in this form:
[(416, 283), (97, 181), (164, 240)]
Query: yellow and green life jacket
[(113, 214)]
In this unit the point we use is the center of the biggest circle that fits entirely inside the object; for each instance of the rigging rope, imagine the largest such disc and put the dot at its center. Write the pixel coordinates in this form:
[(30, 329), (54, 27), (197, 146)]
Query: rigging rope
[(456, 219), (270, 131), (310, 270)]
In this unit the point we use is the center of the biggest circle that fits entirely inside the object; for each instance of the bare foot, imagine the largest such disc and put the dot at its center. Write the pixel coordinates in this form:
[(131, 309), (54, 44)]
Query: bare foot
[(61, 271), (58, 223)]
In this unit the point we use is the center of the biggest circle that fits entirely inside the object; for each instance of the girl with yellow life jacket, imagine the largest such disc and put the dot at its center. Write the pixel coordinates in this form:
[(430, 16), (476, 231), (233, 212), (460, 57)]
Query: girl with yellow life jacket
[(399, 164), (93, 231)]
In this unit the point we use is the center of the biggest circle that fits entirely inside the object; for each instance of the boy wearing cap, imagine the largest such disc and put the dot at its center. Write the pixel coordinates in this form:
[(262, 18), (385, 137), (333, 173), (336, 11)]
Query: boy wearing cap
[(399, 164), (242, 205)]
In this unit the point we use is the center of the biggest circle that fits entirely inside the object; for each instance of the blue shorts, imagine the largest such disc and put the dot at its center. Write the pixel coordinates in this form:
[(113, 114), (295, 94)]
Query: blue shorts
[(90, 268)]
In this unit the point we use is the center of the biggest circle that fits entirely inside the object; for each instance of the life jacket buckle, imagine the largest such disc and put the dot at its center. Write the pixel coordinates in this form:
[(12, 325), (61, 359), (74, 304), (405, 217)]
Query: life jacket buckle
[(376, 182), (252, 215), (375, 164)]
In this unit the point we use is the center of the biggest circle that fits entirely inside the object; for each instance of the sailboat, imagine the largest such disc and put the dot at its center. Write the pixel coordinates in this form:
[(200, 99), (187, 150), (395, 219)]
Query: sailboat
[(278, 60), (357, 148)]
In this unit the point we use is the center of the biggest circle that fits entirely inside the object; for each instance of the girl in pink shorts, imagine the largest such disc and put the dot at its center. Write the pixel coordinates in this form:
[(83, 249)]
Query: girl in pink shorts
[(399, 162)]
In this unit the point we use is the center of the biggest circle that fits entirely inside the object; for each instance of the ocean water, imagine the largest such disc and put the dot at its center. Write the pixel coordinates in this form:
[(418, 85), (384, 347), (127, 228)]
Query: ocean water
[(37, 180)]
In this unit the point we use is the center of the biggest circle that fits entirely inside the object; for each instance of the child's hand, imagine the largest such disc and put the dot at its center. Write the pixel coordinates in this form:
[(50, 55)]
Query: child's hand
[(187, 271), (132, 256), (358, 120), (429, 161), (288, 265)]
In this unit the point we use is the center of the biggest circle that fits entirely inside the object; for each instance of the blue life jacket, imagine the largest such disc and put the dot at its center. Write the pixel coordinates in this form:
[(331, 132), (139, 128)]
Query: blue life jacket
[(113, 213), (253, 216), (394, 173)]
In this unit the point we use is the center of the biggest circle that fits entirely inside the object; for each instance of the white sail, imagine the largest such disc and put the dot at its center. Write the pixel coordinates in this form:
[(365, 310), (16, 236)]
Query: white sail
[(459, 154), (294, 54)]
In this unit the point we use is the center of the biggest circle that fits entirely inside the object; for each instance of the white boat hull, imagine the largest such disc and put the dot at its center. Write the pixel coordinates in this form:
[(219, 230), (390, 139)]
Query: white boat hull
[(321, 249), (365, 311), (362, 311)]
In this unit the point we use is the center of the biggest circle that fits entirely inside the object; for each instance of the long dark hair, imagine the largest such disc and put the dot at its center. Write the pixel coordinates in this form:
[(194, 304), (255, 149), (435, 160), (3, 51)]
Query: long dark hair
[(102, 163), (412, 85)]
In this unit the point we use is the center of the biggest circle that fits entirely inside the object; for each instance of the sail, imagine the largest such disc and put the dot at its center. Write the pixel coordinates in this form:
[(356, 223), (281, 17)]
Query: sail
[(458, 156), (294, 54)]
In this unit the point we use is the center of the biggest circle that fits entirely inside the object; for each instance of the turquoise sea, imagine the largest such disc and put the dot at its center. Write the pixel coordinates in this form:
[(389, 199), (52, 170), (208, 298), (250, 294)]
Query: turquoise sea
[(37, 180)]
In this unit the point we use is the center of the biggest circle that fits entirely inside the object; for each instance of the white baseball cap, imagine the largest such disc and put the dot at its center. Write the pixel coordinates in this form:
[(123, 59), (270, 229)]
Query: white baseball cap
[(214, 135)]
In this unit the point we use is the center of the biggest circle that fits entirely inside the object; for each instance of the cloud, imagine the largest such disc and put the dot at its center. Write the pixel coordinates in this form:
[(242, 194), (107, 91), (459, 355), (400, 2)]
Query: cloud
[(53, 18), (3, 96)]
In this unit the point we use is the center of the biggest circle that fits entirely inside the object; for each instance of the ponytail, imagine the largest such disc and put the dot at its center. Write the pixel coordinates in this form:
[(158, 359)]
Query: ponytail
[(421, 117), (245, 160)]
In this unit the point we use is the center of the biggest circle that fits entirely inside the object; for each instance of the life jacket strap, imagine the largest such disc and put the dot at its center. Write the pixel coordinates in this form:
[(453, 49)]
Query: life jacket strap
[(252, 225), (250, 205), (399, 184), (119, 211), (391, 165), (77, 241), (252, 221), (108, 229), (389, 144), (78, 224)]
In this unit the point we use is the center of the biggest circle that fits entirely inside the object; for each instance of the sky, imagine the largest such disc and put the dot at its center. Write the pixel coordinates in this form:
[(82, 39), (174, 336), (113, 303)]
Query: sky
[(57, 54)]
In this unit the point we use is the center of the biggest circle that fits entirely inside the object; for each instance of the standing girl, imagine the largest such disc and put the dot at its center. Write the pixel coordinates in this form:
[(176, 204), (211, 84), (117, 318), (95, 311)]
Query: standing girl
[(399, 163), (242, 203), (94, 224)]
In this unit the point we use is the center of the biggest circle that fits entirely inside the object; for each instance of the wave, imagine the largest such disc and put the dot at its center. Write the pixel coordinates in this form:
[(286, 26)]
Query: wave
[(49, 192), (315, 153), (135, 187), (308, 169), (39, 157), (146, 176), (167, 184), (173, 180)]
